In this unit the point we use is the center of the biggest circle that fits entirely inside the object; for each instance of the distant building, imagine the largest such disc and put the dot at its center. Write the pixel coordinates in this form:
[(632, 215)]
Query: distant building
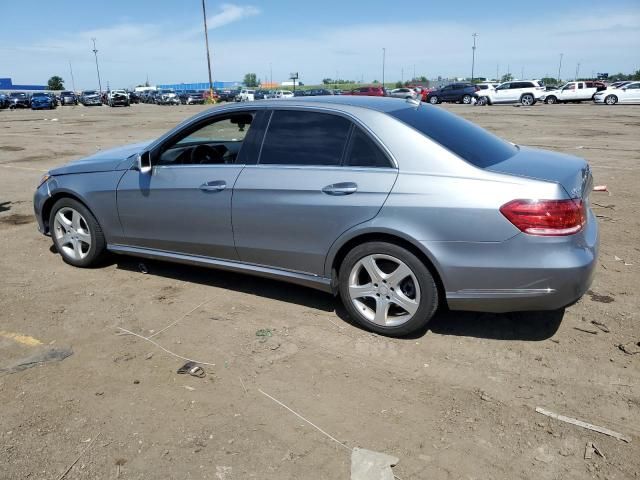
[(200, 85), (7, 84), (289, 83)]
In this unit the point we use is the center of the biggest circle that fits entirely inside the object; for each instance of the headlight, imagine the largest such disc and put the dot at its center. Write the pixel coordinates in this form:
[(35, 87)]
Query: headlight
[(44, 178)]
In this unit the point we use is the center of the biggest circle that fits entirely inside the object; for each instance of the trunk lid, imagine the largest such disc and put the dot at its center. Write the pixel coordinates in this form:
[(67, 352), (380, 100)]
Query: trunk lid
[(573, 173)]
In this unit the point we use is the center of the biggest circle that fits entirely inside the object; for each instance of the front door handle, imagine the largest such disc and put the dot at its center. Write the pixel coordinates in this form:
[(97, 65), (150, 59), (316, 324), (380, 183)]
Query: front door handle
[(344, 188), (213, 186)]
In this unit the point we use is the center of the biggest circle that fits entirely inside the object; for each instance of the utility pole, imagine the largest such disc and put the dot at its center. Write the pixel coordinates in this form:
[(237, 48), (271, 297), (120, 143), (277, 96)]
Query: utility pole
[(522, 74), (271, 74), (497, 72), (384, 54), (401, 75), (473, 56), (577, 71), (414, 71), (560, 66), (73, 82), (206, 39), (95, 52)]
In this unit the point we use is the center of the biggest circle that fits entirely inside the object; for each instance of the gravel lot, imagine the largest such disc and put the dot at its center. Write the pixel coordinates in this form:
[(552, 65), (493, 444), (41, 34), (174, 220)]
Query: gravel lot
[(455, 403)]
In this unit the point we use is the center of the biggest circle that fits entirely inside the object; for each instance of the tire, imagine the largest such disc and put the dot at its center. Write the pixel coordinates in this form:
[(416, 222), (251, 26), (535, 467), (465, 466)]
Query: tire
[(527, 100), (482, 101), (434, 100), (418, 290), (466, 99), (76, 233), (551, 100), (611, 100)]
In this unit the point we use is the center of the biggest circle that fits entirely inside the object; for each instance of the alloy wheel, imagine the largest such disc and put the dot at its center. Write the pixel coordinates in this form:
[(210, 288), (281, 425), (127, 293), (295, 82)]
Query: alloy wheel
[(466, 99), (384, 290), (527, 100), (611, 100), (72, 233), (433, 100)]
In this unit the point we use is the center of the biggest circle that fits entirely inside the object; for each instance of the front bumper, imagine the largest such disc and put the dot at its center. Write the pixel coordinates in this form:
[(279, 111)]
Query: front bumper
[(524, 273), (40, 196), (92, 101)]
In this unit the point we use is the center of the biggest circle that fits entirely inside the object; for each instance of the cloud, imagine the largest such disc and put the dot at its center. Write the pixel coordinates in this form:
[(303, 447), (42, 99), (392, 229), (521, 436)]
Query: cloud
[(171, 53)]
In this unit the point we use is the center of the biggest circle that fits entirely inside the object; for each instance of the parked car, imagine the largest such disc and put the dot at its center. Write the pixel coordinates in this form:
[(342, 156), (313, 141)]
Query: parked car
[(134, 97), (403, 93), (19, 100), (319, 92), (454, 92), (166, 96), (525, 92), (261, 94), (54, 98), (573, 92), (228, 94), (418, 208), (90, 98), (118, 97), (191, 97), (284, 94), (300, 93), (68, 98), (367, 92), (629, 93), (42, 101), (4, 101), (619, 84), (246, 95)]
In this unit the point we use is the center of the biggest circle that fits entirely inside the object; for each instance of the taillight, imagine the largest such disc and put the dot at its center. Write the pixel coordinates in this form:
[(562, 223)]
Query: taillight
[(546, 217)]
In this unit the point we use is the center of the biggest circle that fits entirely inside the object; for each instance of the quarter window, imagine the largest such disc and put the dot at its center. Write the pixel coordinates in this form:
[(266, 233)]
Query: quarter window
[(363, 152), (304, 138)]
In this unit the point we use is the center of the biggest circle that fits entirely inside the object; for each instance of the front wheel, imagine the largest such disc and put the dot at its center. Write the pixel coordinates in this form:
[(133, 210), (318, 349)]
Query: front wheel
[(482, 101), (434, 100), (611, 100), (387, 289), (551, 100), (76, 233), (466, 99)]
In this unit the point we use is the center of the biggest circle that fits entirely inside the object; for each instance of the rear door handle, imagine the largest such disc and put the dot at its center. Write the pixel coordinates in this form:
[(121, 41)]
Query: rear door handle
[(337, 189), (213, 186)]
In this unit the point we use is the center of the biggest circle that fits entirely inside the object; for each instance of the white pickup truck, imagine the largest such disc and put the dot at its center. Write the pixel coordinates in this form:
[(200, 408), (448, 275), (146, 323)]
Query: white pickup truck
[(573, 92)]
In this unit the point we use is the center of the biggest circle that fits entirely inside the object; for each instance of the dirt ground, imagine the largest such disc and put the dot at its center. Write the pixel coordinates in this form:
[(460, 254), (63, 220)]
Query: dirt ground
[(457, 402)]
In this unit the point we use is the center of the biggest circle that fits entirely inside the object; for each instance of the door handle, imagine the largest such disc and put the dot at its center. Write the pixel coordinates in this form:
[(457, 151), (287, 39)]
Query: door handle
[(343, 188), (213, 186)]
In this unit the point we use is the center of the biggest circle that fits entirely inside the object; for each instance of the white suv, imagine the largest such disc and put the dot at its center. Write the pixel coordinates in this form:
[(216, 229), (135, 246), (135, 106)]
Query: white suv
[(246, 95), (526, 92)]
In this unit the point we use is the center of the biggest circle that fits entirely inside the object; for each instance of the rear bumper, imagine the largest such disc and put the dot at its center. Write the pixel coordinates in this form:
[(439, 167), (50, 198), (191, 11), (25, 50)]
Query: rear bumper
[(525, 273)]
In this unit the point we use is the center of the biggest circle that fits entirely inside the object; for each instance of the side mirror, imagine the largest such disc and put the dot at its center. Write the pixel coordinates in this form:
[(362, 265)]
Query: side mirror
[(144, 162)]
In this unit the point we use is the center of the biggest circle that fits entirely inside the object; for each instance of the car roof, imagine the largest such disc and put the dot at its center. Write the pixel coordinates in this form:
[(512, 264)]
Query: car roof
[(379, 104)]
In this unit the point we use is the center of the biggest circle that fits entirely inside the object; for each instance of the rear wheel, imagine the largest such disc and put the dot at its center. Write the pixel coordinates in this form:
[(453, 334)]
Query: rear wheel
[(551, 100), (387, 289), (527, 100), (611, 100), (76, 233), (434, 100), (466, 99)]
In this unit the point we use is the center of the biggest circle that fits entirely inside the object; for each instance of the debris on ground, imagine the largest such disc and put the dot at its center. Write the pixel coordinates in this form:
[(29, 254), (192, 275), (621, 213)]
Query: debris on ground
[(591, 448), (586, 330), (618, 259), (630, 348), (193, 369), (600, 188), (264, 332), (40, 358), (143, 268), (601, 326), (370, 465), (582, 424), (596, 297)]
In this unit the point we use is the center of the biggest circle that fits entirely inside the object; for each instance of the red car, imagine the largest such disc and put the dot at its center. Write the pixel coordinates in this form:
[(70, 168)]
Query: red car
[(368, 92)]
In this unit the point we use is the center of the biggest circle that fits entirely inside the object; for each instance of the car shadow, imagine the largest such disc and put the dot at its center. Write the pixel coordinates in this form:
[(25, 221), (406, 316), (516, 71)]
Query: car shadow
[(4, 206), (528, 326)]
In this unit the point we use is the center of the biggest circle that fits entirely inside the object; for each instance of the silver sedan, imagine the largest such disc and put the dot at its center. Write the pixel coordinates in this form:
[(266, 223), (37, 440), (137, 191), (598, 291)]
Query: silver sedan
[(398, 207)]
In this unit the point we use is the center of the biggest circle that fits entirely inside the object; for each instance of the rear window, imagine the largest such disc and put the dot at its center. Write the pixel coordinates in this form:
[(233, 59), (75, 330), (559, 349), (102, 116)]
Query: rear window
[(465, 139)]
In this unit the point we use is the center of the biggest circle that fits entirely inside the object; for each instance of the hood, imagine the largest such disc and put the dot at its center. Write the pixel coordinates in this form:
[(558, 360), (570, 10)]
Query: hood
[(103, 161), (573, 173), (41, 100)]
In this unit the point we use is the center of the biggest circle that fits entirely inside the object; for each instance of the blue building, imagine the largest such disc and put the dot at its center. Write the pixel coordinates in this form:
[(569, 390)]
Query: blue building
[(200, 85), (7, 84)]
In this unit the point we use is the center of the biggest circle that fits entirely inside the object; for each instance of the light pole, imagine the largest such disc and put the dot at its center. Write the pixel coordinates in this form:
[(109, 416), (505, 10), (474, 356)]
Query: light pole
[(560, 67), (473, 56), (206, 39), (384, 54), (95, 52), (73, 82), (577, 71)]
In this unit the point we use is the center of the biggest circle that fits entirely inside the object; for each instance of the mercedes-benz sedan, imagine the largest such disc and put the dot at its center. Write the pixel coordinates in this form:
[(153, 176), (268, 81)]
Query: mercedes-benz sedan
[(397, 206)]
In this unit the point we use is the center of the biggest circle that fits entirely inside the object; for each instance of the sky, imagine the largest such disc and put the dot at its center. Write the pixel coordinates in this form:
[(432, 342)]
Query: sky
[(163, 40)]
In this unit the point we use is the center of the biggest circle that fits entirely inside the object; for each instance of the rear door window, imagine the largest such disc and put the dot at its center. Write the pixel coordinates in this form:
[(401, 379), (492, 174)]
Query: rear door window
[(363, 152), (305, 138)]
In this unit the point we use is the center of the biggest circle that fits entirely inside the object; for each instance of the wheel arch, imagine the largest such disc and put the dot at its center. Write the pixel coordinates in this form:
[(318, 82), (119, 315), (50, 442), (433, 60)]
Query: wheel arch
[(340, 250), (47, 206)]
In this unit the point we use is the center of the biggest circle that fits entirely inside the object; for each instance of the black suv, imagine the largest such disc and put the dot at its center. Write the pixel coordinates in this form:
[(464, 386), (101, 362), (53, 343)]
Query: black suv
[(454, 92)]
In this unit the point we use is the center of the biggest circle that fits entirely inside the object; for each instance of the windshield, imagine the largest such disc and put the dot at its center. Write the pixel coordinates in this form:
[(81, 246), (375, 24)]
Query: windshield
[(18, 94), (467, 140), (89, 92), (39, 95)]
